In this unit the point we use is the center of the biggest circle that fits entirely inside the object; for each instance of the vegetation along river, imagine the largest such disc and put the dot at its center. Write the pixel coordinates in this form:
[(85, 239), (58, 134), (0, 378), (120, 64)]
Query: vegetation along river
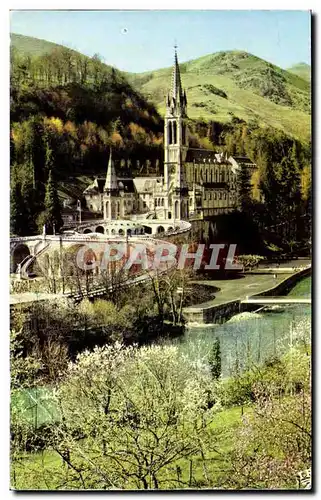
[(250, 337)]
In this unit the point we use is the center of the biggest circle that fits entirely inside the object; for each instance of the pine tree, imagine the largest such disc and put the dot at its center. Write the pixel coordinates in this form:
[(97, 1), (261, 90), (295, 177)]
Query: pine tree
[(28, 194), (215, 361), (17, 210), (51, 217)]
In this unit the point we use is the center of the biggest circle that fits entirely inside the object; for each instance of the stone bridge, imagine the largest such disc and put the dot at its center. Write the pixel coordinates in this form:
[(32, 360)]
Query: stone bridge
[(25, 250)]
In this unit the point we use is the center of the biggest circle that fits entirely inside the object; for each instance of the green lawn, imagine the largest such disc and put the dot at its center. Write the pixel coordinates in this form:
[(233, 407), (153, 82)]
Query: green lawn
[(45, 470)]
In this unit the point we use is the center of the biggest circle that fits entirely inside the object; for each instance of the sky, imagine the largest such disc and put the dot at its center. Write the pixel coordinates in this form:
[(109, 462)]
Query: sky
[(138, 41)]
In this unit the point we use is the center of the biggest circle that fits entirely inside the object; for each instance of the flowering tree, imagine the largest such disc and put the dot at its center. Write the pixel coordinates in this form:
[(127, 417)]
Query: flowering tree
[(131, 416), (273, 445)]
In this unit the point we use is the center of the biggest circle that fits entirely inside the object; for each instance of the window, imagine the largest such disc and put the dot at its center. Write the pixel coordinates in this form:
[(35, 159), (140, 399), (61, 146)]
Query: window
[(170, 135), (174, 132)]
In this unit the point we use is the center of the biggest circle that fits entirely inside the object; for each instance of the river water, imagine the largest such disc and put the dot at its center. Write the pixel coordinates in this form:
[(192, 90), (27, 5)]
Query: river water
[(250, 337)]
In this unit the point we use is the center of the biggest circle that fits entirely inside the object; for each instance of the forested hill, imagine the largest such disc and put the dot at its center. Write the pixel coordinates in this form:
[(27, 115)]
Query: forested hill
[(234, 83), (82, 104)]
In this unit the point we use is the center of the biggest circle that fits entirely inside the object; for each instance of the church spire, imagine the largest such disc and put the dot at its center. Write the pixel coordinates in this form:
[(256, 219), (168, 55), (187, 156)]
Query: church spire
[(176, 88), (111, 183), (176, 99)]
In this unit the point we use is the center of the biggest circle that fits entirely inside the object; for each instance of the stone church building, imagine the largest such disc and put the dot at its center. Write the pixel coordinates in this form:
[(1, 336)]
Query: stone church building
[(196, 183)]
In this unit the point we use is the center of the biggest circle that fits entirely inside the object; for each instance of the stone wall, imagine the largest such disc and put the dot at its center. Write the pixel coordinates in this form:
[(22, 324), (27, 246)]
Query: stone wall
[(286, 285), (222, 312)]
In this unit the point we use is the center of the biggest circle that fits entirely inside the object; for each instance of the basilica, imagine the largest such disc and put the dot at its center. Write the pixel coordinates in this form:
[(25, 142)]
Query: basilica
[(196, 183)]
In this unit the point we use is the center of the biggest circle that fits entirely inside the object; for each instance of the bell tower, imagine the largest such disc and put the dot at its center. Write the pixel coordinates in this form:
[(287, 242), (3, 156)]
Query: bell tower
[(176, 145)]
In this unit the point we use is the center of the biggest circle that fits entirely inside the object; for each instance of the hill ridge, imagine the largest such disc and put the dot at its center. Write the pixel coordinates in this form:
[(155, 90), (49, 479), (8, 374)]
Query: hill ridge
[(221, 85)]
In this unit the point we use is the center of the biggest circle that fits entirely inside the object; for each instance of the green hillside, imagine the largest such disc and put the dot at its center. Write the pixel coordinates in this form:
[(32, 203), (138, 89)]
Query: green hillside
[(220, 86), (301, 69), (32, 46), (226, 84)]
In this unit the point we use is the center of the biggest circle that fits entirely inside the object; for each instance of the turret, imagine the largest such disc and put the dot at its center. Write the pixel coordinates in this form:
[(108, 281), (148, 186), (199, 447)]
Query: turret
[(111, 183)]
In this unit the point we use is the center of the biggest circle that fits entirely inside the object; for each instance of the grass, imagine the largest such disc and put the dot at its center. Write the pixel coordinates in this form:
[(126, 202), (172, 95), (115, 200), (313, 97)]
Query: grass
[(32, 46), (302, 70), (303, 288), (240, 76), (45, 470)]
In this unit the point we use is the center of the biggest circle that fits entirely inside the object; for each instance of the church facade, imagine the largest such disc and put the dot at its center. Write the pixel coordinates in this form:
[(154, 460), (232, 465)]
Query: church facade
[(196, 183)]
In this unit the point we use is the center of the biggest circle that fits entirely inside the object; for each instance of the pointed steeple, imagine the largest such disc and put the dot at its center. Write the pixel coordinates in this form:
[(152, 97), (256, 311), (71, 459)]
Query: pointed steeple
[(111, 183), (176, 99), (176, 88)]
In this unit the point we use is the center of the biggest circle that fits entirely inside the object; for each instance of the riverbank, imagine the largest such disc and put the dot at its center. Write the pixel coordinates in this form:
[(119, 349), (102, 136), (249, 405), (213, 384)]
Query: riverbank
[(228, 299)]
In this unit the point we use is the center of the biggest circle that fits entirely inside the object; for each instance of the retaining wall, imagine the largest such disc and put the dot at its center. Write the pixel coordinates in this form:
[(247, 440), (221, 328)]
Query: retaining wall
[(222, 312)]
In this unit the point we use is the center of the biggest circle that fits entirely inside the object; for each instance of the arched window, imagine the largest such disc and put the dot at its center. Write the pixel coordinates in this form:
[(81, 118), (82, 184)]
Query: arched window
[(182, 209), (174, 133), (176, 209), (170, 134), (113, 210)]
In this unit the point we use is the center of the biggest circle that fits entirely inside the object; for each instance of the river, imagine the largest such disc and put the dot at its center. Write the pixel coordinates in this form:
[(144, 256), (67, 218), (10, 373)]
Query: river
[(254, 338)]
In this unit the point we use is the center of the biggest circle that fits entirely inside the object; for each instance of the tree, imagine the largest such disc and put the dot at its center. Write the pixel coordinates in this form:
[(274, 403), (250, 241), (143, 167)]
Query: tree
[(17, 210), (215, 361), (28, 194), (51, 217), (141, 413), (244, 188)]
